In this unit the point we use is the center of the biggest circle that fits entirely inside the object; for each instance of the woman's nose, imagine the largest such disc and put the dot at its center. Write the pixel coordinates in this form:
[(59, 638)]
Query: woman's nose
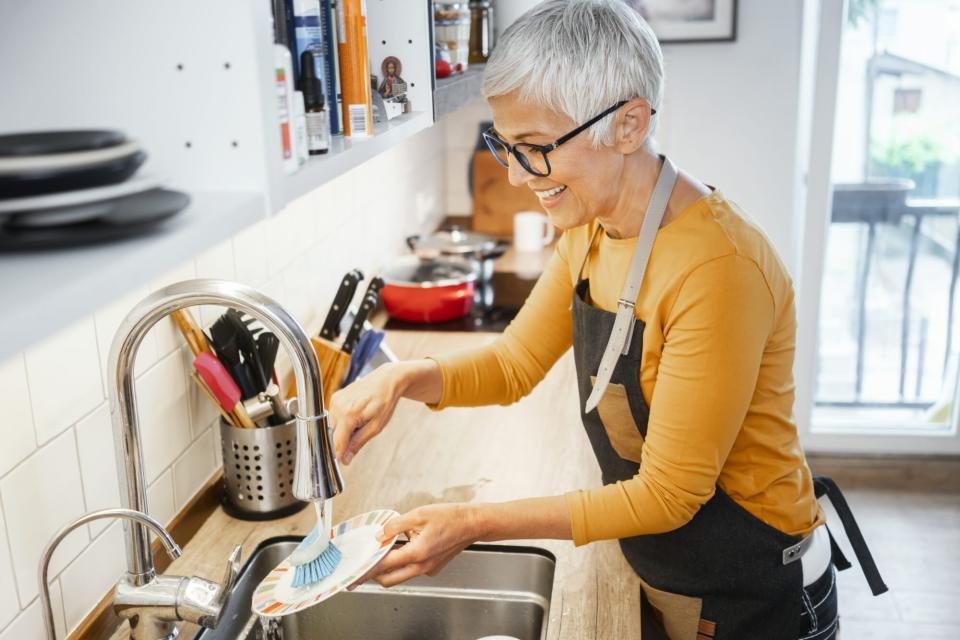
[(516, 173)]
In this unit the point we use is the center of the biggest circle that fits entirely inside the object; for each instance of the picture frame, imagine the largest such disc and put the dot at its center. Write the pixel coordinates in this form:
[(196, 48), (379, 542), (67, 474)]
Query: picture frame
[(691, 21)]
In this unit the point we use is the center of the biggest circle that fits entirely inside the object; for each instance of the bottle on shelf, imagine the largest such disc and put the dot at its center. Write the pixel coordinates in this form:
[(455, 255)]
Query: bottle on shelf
[(300, 127), (317, 116), (354, 68), (283, 77)]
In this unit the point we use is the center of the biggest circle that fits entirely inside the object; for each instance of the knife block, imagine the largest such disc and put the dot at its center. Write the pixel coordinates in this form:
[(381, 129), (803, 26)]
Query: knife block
[(334, 365)]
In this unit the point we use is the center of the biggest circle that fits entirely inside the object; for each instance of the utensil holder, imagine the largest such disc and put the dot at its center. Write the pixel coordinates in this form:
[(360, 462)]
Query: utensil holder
[(258, 470)]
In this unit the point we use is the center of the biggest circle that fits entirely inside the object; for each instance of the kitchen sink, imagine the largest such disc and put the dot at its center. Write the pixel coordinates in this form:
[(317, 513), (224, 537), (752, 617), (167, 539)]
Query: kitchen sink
[(488, 590)]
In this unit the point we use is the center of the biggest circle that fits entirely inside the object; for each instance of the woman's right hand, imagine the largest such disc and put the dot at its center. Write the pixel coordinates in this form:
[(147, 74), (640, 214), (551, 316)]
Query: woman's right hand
[(361, 410)]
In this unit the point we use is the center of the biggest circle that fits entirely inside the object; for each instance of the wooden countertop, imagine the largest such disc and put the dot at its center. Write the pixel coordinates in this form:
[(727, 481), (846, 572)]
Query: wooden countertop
[(536, 447)]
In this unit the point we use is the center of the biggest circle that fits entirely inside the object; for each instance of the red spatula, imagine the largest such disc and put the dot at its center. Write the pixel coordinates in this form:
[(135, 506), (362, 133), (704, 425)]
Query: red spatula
[(224, 389)]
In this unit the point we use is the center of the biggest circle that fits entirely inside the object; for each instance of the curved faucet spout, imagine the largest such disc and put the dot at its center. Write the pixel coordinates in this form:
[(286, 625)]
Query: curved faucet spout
[(317, 475), (45, 607)]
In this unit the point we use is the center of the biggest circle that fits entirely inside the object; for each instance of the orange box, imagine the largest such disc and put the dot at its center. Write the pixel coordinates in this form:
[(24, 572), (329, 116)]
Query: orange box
[(354, 68)]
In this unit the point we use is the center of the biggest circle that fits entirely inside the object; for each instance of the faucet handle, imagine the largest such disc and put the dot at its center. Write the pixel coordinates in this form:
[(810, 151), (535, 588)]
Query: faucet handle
[(230, 577), (202, 601)]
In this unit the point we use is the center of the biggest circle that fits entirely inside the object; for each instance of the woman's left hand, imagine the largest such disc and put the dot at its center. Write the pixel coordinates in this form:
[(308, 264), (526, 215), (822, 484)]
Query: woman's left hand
[(437, 533)]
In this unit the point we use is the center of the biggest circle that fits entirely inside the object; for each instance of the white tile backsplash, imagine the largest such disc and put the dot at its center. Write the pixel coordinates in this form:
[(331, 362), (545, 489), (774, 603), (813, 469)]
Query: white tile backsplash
[(64, 376), (94, 571), (160, 503), (164, 416), (29, 624), (193, 469), (19, 437), (217, 262), (250, 251), (98, 464), (57, 458), (39, 497), (9, 602)]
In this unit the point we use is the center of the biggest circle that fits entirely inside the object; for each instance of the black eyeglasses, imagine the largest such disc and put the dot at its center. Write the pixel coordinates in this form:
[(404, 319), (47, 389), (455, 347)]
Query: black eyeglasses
[(533, 157)]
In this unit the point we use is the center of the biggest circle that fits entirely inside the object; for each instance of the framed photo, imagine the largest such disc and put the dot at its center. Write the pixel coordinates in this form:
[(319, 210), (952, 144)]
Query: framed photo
[(691, 20)]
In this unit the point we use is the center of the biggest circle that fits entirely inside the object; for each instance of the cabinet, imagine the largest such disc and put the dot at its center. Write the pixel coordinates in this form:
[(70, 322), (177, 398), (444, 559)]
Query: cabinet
[(194, 83)]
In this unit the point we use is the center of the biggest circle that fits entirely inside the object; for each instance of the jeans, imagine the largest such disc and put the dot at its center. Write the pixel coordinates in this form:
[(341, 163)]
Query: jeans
[(819, 614)]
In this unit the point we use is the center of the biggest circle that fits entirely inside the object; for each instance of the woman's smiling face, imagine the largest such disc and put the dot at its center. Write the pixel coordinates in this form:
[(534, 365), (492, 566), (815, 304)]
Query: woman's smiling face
[(584, 182)]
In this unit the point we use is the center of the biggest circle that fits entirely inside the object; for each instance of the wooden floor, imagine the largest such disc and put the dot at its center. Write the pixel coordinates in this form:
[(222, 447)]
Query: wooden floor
[(909, 512)]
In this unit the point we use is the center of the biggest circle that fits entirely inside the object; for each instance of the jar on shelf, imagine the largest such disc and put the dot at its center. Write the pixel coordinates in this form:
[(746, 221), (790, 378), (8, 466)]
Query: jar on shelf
[(452, 27), (481, 31)]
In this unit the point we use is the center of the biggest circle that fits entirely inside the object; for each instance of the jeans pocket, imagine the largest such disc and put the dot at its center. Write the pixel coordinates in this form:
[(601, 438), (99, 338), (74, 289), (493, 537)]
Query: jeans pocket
[(819, 612)]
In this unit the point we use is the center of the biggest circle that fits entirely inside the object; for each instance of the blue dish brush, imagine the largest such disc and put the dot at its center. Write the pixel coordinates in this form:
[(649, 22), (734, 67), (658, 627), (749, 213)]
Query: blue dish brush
[(316, 556)]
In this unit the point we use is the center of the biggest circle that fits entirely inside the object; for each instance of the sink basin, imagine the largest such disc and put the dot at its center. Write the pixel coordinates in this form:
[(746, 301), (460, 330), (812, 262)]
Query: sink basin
[(488, 590)]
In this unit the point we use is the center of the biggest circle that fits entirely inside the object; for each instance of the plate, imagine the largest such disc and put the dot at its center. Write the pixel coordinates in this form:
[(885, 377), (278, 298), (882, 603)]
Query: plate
[(80, 196), (14, 165), (35, 183), (129, 216), (59, 216), (36, 143), (357, 540)]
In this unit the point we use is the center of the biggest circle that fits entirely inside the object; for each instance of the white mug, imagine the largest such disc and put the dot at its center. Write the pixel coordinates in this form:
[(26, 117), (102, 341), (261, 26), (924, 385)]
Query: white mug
[(532, 231)]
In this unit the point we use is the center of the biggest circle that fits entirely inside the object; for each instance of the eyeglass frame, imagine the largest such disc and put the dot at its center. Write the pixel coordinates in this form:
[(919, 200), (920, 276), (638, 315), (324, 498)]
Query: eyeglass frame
[(491, 137)]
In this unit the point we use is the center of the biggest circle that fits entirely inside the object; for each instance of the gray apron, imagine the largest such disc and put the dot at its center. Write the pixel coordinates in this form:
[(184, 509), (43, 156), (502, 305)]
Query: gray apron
[(724, 574)]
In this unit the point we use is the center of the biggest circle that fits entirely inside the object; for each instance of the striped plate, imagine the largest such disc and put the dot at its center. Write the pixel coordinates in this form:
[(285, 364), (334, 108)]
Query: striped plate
[(357, 540)]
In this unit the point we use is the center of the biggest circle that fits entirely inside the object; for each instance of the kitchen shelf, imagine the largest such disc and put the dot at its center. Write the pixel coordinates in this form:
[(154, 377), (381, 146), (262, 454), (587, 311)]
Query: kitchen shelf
[(345, 154), (44, 292), (457, 91)]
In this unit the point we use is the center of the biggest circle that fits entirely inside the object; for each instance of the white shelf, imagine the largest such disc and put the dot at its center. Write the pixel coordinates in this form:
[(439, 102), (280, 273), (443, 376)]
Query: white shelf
[(345, 154), (45, 291), (457, 91)]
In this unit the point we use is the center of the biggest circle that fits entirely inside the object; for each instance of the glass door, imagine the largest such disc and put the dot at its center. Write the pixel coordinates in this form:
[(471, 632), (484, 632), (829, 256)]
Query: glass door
[(887, 343)]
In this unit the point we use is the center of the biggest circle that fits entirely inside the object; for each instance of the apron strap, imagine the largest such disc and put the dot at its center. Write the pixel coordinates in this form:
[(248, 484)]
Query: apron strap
[(825, 486), (837, 556), (619, 342)]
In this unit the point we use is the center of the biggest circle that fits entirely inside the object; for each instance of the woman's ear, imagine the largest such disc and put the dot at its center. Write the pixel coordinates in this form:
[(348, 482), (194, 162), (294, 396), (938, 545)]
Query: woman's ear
[(630, 128)]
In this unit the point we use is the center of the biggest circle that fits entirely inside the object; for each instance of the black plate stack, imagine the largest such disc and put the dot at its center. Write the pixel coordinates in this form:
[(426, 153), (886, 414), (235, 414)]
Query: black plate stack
[(62, 189)]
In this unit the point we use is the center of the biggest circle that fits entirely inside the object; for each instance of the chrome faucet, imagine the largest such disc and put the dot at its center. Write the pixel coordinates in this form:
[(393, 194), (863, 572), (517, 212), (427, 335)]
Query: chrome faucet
[(151, 603), (193, 598)]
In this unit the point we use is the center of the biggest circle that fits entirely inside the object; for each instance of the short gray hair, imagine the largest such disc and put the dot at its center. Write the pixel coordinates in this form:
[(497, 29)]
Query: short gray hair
[(579, 57)]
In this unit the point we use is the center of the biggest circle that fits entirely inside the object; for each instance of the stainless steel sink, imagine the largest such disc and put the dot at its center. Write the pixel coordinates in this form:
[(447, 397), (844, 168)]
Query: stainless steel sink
[(488, 590)]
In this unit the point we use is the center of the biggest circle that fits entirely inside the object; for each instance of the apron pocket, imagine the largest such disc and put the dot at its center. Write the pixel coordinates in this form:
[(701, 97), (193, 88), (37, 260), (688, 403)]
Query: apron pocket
[(678, 615), (617, 419)]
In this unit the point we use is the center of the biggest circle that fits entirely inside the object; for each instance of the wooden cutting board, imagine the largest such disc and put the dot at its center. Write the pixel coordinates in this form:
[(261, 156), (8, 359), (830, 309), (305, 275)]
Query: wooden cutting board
[(495, 200)]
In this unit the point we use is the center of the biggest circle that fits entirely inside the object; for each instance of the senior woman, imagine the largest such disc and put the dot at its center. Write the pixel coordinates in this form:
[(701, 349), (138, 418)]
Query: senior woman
[(681, 317)]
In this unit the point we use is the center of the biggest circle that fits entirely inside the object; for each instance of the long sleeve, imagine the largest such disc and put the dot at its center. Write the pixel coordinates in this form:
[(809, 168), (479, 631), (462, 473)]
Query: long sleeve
[(714, 340), (510, 367)]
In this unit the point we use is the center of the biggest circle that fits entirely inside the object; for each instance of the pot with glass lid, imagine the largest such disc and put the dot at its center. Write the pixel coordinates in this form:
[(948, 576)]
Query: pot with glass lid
[(428, 290), (477, 249)]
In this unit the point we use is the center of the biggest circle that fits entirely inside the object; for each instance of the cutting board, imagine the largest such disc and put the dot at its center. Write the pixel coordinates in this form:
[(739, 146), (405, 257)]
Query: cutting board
[(495, 200)]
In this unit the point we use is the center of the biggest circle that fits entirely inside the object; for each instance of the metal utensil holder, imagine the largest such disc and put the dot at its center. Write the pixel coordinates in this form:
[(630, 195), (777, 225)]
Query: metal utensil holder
[(258, 469)]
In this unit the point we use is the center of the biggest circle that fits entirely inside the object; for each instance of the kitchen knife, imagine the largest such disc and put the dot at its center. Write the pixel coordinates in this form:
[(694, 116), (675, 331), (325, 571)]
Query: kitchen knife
[(341, 301), (376, 283), (369, 303)]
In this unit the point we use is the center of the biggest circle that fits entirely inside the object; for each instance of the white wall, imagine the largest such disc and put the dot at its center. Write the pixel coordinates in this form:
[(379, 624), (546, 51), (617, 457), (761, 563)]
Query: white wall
[(731, 115), (56, 450)]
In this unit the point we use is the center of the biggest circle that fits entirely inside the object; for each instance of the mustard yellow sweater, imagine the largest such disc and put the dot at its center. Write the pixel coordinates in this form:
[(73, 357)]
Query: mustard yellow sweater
[(716, 370)]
